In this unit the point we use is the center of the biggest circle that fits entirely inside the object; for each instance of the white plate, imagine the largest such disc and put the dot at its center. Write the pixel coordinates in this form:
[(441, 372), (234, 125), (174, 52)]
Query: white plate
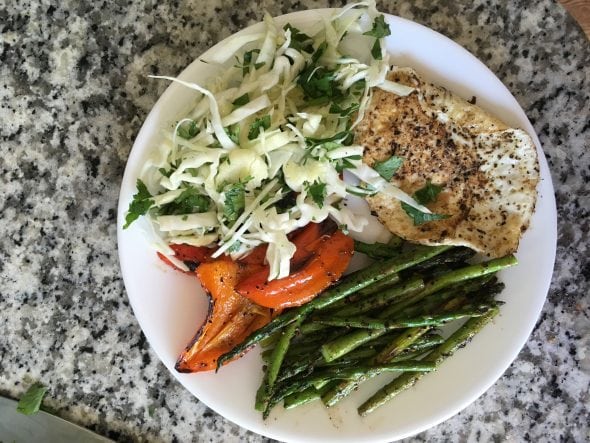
[(170, 307)]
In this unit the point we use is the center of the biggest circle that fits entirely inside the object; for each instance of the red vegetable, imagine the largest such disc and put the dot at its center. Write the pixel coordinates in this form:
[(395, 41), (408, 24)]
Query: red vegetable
[(230, 320), (195, 255), (327, 259)]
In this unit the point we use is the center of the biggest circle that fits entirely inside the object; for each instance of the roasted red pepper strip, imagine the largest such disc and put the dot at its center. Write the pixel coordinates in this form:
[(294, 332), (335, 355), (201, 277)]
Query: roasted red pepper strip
[(326, 265), (188, 253), (230, 320), (303, 240)]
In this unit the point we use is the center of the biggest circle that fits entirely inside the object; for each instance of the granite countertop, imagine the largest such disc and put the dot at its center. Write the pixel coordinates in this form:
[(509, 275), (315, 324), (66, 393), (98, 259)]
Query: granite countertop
[(73, 96)]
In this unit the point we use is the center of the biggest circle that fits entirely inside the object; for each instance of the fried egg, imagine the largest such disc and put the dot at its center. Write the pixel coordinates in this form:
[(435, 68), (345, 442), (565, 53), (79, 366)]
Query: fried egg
[(489, 171)]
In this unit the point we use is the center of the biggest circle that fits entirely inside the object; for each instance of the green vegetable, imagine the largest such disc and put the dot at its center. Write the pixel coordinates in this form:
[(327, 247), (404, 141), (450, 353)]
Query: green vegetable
[(344, 112), (388, 168), (380, 29), (462, 336), (424, 195), (299, 40), (376, 50), (399, 344), (376, 250), (382, 298), (343, 137), (419, 217), (317, 191), (189, 202), (187, 129), (30, 402), (235, 202), (247, 63), (233, 132), (344, 373), (141, 203), (428, 193), (241, 100), (263, 122)]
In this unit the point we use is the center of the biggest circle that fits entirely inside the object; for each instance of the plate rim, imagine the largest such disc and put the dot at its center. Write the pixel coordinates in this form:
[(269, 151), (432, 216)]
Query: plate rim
[(267, 430)]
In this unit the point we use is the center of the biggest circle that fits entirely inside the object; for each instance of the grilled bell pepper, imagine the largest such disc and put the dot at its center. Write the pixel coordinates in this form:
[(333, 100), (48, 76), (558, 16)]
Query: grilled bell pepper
[(327, 260), (230, 320)]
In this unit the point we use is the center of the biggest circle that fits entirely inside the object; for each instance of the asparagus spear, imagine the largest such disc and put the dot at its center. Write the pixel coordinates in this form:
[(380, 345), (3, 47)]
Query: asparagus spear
[(401, 323), (349, 284), (342, 373), (369, 290), (457, 340), (377, 251), (389, 354), (279, 351), (383, 298)]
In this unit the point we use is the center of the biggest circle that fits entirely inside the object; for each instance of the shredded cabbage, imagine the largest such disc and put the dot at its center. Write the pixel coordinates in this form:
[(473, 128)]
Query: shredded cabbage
[(263, 150)]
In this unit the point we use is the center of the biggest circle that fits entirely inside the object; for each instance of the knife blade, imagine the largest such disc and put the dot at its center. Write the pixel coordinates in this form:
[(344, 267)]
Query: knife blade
[(16, 427)]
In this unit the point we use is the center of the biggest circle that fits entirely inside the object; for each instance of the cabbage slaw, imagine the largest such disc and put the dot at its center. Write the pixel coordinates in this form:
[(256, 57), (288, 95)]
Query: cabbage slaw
[(268, 146)]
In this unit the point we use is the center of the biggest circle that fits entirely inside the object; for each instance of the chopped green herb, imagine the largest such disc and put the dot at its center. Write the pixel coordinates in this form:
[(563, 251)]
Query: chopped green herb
[(344, 137), (235, 202), (141, 203), (428, 193), (376, 50), (235, 246), (188, 129), (344, 112), (388, 168), (346, 163), (234, 133), (319, 52), (241, 100), (380, 28), (299, 40), (317, 191), (189, 202), (263, 122), (419, 217), (424, 195), (247, 63), (318, 82), (166, 173), (30, 402)]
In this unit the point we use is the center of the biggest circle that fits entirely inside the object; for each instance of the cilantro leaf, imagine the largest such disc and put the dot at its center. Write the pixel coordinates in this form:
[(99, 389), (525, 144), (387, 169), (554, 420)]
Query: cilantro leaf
[(233, 132), (263, 122), (235, 202), (419, 217), (376, 50), (428, 193), (344, 112), (344, 137), (188, 129), (141, 203), (241, 100), (246, 64), (424, 195), (388, 168), (319, 52), (189, 202), (318, 83), (30, 402), (317, 191), (235, 246), (299, 40), (380, 28)]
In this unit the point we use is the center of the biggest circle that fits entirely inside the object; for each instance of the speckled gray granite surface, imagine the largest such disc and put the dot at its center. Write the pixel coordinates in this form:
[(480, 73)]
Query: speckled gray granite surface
[(73, 94)]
